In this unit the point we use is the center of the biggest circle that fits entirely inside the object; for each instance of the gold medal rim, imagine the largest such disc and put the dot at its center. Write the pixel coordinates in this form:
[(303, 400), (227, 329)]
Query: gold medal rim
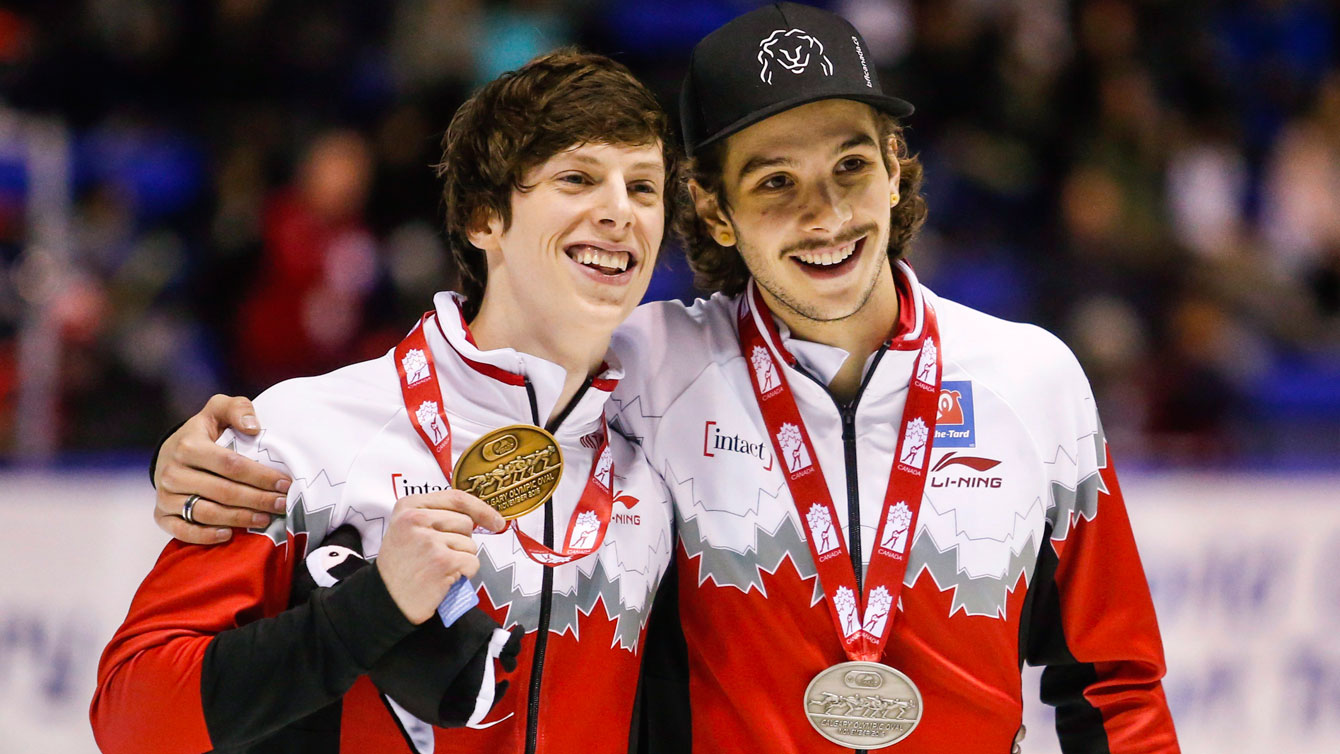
[(518, 510), (853, 663)]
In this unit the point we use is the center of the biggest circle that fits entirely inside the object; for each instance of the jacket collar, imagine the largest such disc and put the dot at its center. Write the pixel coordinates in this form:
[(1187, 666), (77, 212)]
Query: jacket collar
[(491, 387), (824, 361)]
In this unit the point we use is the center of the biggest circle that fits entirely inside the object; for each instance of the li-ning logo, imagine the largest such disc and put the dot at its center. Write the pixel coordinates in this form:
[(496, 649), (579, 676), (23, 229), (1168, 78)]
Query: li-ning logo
[(794, 452), (628, 501), (792, 49), (416, 366), (821, 529), (765, 370), (967, 482), (431, 422)]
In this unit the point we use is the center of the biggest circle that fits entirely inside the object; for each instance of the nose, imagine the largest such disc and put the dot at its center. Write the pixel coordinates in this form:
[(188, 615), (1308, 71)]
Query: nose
[(829, 209), (614, 210)]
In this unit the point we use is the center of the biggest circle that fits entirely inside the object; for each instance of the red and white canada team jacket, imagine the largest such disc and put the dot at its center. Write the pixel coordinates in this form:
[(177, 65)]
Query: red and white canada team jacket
[(345, 439), (1022, 552)]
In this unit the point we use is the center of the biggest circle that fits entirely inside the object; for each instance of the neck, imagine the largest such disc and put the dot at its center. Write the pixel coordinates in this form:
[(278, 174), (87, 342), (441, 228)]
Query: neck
[(580, 350), (860, 334)]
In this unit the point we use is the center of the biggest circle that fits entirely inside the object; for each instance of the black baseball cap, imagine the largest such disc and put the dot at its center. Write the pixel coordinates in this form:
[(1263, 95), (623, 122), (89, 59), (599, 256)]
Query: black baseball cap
[(773, 59)]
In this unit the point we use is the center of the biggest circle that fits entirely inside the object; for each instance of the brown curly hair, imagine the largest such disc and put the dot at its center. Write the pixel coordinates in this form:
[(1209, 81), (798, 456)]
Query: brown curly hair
[(557, 101), (721, 268)]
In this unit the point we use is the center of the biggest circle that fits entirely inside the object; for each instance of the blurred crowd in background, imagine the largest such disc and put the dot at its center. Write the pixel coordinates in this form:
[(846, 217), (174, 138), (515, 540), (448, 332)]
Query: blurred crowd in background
[(243, 192)]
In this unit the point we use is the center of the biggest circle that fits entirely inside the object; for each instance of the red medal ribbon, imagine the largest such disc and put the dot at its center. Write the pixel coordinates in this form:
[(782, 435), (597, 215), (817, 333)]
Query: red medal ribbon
[(427, 412), (862, 620)]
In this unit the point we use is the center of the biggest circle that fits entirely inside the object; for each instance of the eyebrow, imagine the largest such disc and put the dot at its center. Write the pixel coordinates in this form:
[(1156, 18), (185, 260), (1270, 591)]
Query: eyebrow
[(759, 162), (859, 140), (587, 159)]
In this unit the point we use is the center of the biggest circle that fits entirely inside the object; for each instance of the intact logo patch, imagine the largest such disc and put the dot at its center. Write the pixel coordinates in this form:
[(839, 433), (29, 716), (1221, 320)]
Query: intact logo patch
[(954, 425)]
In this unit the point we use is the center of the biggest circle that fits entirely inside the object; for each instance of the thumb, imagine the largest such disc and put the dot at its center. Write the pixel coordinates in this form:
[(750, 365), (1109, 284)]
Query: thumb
[(225, 411)]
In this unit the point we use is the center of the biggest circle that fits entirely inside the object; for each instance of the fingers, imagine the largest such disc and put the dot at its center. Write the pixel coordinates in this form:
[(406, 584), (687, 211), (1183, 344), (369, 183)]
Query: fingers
[(452, 522), (232, 411), (182, 481), (210, 513), (192, 533), (200, 452), (460, 543), (460, 564), (477, 510)]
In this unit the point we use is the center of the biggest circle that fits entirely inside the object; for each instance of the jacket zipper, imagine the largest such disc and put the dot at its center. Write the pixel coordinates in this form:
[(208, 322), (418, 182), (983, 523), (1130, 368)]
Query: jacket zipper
[(847, 412), (547, 579)]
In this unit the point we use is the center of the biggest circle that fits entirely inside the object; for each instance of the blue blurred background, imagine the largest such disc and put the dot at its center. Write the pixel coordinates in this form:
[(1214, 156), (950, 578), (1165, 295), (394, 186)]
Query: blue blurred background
[(213, 196)]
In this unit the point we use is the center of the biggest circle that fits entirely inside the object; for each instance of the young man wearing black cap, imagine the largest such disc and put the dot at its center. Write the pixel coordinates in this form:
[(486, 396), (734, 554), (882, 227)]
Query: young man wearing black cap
[(885, 502), (897, 500)]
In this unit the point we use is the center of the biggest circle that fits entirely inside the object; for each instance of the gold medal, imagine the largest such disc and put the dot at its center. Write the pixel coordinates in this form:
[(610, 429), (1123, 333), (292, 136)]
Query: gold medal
[(864, 705), (514, 469)]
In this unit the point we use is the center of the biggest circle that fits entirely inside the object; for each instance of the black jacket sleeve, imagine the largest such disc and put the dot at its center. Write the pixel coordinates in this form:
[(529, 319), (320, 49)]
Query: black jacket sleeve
[(319, 648)]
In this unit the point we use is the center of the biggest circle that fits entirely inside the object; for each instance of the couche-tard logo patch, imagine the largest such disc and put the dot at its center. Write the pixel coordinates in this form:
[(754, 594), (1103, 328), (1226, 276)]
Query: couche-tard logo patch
[(954, 425)]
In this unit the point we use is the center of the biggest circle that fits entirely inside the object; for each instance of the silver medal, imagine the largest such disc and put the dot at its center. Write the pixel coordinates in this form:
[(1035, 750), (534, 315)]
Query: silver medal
[(864, 705)]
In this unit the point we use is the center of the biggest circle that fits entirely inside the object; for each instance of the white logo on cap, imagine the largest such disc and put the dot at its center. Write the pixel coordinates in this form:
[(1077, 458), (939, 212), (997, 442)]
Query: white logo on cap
[(793, 50)]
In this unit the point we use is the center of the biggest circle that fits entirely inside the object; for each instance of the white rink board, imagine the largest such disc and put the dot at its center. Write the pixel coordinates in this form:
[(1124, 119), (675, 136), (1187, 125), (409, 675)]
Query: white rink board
[(1245, 572), (80, 544)]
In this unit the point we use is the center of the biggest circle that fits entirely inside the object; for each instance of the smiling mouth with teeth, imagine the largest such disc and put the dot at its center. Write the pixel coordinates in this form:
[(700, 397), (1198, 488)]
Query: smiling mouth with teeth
[(827, 257), (602, 260)]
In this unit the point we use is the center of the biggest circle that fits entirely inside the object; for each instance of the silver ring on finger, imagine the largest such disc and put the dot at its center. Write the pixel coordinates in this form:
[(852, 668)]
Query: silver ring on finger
[(188, 507)]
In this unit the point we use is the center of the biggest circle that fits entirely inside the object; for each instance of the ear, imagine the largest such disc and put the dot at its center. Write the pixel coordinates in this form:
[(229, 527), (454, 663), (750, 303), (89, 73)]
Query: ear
[(710, 212), (486, 230), (895, 170)]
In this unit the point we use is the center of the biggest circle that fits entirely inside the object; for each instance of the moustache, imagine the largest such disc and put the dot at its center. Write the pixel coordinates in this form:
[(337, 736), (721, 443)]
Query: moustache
[(841, 239)]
